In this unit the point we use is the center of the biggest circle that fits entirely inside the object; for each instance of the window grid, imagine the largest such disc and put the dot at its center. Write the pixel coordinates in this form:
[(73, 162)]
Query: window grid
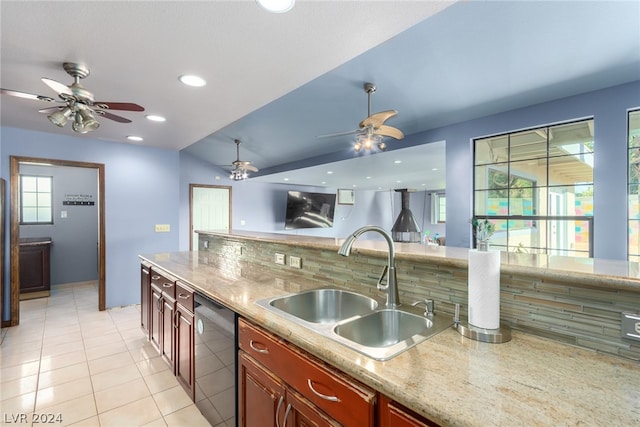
[(36, 196), (545, 208), (633, 185)]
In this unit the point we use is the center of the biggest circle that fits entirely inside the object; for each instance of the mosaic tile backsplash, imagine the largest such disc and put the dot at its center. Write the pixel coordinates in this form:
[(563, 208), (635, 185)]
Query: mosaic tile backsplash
[(576, 315)]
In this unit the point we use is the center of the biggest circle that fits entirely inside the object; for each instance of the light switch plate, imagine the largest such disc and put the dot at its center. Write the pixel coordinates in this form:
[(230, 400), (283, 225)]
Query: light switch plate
[(631, 326), (163, 228)]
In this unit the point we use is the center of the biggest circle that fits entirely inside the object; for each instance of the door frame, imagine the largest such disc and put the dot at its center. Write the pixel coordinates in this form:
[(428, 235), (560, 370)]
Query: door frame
[(191, 187), (14, 248)]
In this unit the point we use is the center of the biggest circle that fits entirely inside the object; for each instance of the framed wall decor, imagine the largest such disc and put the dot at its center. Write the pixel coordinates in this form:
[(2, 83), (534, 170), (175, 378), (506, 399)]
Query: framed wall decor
[(346, 197)]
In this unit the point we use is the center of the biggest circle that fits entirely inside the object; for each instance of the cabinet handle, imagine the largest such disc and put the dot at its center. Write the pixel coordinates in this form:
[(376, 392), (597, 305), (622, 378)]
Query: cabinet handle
[(278, 410), (320, 395), (167, 285), (176, 315), (286, 414), (183, 296), (155, 277), (160, 305), (259, 350)]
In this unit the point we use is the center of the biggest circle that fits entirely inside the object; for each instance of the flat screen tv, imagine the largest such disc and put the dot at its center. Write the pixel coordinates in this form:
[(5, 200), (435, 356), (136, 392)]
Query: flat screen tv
[(309, 210)]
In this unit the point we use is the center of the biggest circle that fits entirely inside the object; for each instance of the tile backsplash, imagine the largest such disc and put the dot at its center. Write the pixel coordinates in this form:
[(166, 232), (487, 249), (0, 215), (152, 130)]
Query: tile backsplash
[(587, 317)]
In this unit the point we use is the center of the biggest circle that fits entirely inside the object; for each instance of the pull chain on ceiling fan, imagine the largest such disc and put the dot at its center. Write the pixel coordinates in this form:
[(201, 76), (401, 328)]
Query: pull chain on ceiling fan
[(78, 103)]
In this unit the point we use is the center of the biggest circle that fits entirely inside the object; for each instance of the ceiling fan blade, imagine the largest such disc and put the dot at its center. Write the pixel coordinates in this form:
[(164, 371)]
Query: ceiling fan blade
[(385, 130), (250, 168), (57, 86), (25, 95), (376, 120), (123, 106), (112, 116), (331, 135)]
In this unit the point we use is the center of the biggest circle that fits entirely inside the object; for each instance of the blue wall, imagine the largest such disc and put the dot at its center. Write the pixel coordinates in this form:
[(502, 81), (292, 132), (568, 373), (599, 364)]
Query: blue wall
[(141, 190), (147, 186)]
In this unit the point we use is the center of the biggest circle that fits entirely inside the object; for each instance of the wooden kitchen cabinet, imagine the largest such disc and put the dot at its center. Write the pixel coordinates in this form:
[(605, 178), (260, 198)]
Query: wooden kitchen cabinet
[(315, 393), (184, 336), (392, 414), (170, 324), (35, 266), (163, 293), (265, 400), (260, 394)]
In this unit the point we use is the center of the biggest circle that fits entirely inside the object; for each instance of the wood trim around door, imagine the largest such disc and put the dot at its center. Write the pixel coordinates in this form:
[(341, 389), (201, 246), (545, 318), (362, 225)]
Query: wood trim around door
[(14, 248), (191, 187)]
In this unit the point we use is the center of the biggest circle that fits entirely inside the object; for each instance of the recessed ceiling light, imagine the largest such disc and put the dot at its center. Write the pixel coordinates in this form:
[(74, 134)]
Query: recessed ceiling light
[(323, 182), (135, 138), (434, 169), (286, 179), (155, 118), (329, 172), (191, 80), (276, 6), (368, 177), (397, 162)]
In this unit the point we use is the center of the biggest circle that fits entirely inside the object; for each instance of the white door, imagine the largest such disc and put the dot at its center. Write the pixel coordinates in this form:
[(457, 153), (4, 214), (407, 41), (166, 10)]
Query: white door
[(210, 210)]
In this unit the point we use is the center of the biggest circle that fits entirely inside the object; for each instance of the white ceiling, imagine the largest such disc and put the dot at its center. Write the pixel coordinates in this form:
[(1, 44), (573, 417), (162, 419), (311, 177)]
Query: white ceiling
[(276, 81)]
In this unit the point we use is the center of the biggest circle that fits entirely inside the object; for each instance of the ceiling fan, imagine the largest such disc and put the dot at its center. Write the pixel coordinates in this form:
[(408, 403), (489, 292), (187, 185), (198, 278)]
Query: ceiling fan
[(78, 103), (240, 168), (372, 129)]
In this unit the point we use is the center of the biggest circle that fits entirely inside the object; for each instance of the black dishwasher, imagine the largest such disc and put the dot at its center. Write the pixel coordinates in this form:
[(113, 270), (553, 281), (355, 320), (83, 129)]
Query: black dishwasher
[(215, 361)]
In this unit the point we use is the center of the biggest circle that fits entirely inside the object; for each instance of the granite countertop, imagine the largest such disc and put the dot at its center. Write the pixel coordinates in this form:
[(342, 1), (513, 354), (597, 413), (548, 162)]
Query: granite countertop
[(449, 379)]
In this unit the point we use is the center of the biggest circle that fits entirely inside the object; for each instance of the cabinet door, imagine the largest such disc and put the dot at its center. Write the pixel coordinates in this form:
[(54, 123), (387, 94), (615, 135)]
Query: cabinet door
[(166, 337), (145, 298), (260, 395), (300, 412), (392, 414), (155, 325), (185, 347)]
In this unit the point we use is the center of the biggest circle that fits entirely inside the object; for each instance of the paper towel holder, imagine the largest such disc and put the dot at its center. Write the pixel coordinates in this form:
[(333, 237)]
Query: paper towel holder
[(492, 336)]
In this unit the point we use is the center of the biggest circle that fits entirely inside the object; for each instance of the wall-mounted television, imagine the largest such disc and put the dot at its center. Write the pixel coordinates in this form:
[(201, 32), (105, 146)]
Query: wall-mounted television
[(309, 210)]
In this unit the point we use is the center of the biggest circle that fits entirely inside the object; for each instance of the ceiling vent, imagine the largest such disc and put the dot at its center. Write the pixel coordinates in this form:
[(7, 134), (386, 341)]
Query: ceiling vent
[(405, 228)]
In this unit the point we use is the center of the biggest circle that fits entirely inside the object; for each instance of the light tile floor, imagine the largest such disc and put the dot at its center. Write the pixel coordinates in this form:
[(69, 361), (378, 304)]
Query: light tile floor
[(69, 364)]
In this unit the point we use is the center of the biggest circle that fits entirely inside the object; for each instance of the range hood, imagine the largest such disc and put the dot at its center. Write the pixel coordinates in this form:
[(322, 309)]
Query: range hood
[(405, 228)]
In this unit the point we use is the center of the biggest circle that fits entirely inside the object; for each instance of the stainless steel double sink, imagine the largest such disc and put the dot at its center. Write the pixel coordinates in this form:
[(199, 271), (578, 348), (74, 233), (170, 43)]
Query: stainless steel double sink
[(357, 320)]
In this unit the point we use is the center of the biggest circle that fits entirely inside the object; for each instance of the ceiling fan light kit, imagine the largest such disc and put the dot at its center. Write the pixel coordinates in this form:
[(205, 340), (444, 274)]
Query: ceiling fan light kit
[(372, 130), (79, 104), (240, 169)]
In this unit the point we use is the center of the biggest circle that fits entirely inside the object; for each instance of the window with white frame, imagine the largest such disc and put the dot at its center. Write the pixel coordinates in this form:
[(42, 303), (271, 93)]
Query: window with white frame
[(438, 208), (36, 200)]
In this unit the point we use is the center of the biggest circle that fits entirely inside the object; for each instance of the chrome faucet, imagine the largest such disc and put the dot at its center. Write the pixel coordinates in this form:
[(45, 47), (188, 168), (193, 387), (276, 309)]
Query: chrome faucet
[(393, 299)]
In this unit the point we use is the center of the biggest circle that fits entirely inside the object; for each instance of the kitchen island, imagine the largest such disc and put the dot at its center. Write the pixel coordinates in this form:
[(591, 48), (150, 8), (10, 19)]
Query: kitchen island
[(448, 379)]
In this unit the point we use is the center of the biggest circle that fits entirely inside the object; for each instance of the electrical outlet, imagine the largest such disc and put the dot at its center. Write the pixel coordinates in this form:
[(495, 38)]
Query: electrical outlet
[(163, 228), (295, 262), (631, 326), (279, 258)]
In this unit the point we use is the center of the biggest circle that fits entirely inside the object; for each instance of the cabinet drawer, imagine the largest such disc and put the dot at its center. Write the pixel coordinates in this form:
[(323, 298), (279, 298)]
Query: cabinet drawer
[(164, 281), (184, 296), (338, 395)]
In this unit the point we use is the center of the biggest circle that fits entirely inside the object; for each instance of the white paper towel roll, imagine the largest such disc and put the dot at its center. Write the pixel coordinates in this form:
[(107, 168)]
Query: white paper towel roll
[(484, 289)]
